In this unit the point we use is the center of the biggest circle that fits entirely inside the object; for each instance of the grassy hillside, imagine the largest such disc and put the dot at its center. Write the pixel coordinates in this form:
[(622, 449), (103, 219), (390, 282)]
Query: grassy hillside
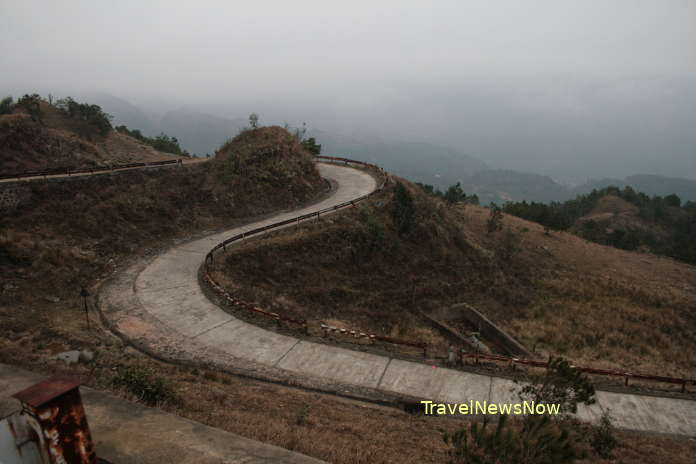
[(557, 294), (68, 232), (263, 163), (78, 233), (36, 134), (622, 218)]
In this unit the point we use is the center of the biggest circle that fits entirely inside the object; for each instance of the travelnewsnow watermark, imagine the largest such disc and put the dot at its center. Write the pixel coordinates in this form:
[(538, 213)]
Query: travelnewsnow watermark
[(484, 407)]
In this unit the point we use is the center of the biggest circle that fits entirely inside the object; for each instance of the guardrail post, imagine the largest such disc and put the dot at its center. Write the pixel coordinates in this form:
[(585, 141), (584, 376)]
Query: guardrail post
[(626, 381)]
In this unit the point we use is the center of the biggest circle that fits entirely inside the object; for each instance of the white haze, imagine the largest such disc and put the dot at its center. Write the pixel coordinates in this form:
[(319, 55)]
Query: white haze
[(571, 89)]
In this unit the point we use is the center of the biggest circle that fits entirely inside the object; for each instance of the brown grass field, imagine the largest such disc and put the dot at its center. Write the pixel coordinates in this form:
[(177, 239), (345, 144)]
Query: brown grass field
[(558, 295), (80, 233)]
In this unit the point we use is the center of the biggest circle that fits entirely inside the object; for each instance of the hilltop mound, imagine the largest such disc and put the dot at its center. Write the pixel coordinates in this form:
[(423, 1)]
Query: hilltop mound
[(46, 137), (263, 163), (613, 213)]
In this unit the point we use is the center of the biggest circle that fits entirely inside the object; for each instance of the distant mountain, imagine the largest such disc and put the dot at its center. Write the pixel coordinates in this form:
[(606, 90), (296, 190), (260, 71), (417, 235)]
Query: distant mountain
[(125, 112), (421, 162), (198, 132), (502, 185)]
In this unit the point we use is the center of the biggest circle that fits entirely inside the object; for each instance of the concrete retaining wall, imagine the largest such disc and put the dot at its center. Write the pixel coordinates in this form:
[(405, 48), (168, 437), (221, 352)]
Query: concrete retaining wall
[(490, 331)]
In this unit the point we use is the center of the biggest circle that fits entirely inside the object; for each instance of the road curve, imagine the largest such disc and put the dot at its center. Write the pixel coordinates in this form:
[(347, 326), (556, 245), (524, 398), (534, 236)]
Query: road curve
[(158, 306)]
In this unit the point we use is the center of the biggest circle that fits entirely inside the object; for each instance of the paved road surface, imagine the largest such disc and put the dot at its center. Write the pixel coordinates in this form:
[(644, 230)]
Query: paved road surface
[(159, 306)]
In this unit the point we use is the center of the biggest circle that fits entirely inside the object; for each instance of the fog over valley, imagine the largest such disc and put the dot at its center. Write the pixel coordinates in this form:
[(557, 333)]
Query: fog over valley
[(575, 92)]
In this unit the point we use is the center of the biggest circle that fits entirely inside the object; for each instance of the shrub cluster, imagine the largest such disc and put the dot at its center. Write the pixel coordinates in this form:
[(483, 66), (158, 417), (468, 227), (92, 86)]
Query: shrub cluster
[(140, 382)]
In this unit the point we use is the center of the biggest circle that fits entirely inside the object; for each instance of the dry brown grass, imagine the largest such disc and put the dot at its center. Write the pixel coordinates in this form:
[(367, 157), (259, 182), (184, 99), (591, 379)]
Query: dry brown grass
[(560, 295), (27, 145), (340, 431), (599, 305), (71, 234)]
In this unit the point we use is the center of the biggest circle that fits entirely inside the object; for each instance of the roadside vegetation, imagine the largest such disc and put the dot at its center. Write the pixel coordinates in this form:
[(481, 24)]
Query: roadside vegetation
[(162, 142), (352, 264), (373, 269)]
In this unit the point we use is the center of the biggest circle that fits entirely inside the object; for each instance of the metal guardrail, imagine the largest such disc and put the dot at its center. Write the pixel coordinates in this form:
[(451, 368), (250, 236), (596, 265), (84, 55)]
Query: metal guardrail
[(71, 170), (588, 370), (296, 220), (357, 334)]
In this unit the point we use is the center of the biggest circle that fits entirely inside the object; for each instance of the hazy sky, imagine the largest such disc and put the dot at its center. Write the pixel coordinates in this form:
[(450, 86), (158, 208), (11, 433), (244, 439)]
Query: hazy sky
[(513, 82)]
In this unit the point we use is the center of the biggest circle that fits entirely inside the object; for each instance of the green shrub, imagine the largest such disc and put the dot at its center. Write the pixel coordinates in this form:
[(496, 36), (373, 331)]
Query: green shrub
[(536, 442), (603, 440), (510, 244), (92, 115), (6, 105), (140, 382), (372, 239), (495, 219), (403, 211), (559, 384)]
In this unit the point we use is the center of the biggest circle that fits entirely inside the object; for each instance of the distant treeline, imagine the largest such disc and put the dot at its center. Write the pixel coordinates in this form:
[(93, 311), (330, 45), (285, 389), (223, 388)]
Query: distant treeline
[(162, 142), (453, 194), (676, 219)]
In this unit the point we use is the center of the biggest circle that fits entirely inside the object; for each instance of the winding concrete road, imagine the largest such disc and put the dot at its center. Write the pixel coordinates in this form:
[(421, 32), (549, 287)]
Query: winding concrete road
[(158, 306)]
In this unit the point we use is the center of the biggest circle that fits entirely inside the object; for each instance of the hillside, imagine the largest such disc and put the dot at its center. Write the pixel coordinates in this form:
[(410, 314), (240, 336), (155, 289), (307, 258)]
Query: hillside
[(557, 294), (621, 218), (39, 135), (68, 232)]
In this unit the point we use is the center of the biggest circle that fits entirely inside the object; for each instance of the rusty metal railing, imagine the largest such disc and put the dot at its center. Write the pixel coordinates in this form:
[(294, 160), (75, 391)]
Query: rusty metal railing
[(683, 382), (68, 171), (296, 220)]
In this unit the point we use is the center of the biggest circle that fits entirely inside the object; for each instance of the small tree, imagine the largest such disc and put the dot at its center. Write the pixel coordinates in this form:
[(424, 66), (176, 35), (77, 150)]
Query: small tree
[(495, 220), (509, 245), (312, 146), (603, 440), (539, 443), (403, 211), (455, 194), (6, 105), (560, 384), (253, 120), (32, 103)]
